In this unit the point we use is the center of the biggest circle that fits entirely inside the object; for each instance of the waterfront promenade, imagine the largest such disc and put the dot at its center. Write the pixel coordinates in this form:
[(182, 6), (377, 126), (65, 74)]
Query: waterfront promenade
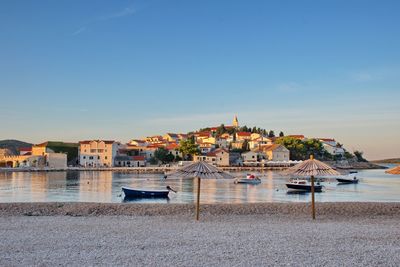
[(359, 234), (149, 169)]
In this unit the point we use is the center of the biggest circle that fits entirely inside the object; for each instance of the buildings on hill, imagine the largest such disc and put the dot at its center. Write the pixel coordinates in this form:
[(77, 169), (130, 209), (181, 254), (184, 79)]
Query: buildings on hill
[(222, 146), (40, 155)]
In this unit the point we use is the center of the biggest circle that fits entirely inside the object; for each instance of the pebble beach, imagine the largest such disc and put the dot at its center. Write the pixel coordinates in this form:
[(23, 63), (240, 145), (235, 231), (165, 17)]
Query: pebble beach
[(268, 234)]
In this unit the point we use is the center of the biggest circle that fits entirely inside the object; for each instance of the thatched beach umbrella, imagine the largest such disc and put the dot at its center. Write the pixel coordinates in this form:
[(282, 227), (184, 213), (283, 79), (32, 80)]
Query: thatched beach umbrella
[(395, 170), (200, 170), (312, 167)]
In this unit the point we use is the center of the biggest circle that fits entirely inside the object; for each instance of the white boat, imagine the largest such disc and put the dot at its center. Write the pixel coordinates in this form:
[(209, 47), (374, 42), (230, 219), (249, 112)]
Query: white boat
[(250, 179)]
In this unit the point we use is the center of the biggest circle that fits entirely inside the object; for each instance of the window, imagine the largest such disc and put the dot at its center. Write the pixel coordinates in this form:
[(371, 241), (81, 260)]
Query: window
[(84, 157), (90, 157), (105, 157)]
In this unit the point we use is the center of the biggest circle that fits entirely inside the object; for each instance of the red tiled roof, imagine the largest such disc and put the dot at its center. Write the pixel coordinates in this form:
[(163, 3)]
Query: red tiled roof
[(211, 154), (25, 149), (172, 146), (243, 134), (203, 134), (138, 158)]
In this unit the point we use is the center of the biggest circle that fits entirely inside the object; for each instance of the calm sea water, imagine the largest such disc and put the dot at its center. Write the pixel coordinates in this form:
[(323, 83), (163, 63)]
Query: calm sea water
[(89, 186)]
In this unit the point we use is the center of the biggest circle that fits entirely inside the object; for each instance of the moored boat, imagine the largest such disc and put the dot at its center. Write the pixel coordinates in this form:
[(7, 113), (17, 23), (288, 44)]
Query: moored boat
[(303, 185), (140, 193), (347, 180), (250, 179)]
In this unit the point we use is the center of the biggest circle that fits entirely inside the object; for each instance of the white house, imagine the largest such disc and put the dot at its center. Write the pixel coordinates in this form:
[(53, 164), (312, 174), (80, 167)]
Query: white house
[(250, 156), (97, 153)]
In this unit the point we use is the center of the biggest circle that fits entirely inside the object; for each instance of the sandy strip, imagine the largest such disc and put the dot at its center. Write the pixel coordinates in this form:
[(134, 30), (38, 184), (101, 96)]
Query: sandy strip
[(326, 210)]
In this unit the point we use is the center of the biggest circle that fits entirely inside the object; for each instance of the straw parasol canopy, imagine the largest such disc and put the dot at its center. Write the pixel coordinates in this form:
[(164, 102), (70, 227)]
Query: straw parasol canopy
[(200, 170), (395, 170), (312, 167)]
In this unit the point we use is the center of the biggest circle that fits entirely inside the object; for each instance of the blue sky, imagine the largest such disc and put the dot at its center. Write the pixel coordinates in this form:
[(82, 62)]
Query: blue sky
[(73, 70)]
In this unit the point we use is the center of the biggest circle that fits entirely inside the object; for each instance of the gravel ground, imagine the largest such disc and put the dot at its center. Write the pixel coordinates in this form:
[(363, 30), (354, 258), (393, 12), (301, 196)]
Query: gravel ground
[(217, 240)]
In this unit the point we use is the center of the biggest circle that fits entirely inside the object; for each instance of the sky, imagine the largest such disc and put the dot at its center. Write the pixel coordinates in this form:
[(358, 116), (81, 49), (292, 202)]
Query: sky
[(77, 70)]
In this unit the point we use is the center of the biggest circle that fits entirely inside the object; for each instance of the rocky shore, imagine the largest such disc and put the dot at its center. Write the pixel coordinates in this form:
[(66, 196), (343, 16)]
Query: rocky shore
[(324, 209)]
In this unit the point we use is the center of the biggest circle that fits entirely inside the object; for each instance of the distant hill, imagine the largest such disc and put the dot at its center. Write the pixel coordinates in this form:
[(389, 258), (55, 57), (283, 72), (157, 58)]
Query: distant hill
[(395, 160), (14, 145)]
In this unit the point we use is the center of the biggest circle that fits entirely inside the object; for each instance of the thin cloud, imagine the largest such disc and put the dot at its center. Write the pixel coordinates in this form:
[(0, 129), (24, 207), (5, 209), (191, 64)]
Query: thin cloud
[(79, 31), (128, 11)]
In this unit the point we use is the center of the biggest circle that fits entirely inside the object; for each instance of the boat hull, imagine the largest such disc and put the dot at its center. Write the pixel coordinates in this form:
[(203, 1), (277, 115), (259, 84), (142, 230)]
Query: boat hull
[(304, 187), (137, 193), (248, 181), (347, 181)]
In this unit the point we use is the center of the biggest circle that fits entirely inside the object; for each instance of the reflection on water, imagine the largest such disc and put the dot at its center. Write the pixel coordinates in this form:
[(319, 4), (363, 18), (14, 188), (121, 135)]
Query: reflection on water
[(105, 186)]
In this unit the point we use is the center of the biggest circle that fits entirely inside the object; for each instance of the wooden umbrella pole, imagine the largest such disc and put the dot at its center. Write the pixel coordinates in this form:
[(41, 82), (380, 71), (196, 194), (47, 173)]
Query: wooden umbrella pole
[(198, 199), (312, 197)]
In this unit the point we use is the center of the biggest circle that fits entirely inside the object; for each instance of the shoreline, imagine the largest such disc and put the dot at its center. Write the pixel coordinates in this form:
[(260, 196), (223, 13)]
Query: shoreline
[(171, 169), (296, 210)]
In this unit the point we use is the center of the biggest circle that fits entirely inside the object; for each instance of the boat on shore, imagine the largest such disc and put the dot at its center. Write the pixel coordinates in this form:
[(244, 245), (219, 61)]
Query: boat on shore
[(250, 179), (303, 185), (141, 193)]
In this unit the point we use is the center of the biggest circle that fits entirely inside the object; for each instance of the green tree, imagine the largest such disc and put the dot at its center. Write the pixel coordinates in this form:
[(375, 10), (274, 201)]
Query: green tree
[(163, 155), (153, 160), (271, 133), (359, 156), (295, 146), (348, 155), (281, 134), (254, 130), (221, 130), (188, 148), (244, 129), (245, 146)]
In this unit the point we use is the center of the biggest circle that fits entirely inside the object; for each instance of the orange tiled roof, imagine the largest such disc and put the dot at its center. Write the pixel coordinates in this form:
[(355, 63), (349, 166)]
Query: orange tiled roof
[(243, 134)]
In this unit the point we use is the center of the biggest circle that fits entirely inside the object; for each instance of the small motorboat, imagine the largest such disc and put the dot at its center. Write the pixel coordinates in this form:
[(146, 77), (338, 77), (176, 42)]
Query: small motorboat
[(303, 185), (250, 179), (353, 180), (140, 193)]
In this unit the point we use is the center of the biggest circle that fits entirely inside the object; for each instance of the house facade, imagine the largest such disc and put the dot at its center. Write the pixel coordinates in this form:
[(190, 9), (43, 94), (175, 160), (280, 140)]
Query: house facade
[(129, 161), (98, 153), (276, 152)]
